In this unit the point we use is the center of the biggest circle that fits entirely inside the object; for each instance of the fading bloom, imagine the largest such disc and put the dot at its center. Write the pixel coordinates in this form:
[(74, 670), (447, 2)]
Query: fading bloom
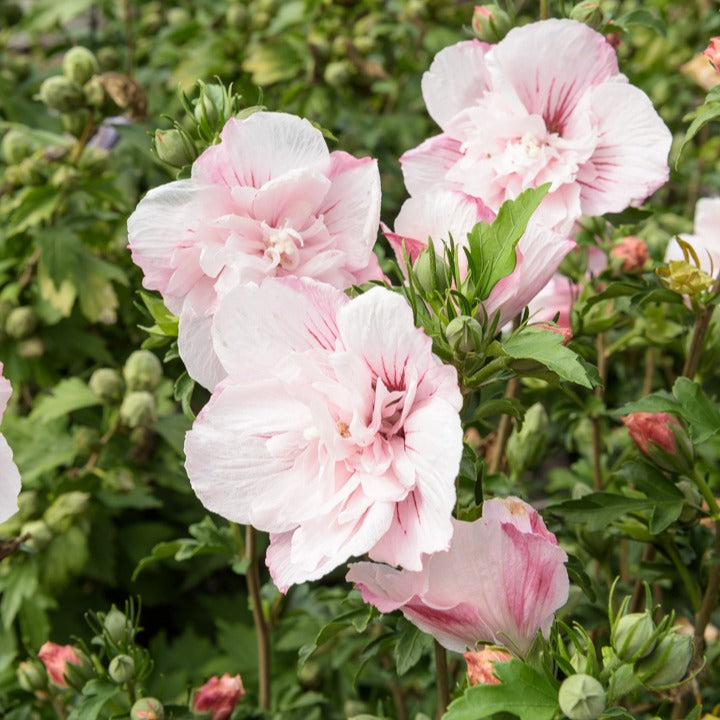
[(56, 659), (632, 251), (10, 483), (500, 582), (481, 665), (712, 52), (563, 113), (336, 430), (219, 696), (446, 213), (269, 200), (705, 239)]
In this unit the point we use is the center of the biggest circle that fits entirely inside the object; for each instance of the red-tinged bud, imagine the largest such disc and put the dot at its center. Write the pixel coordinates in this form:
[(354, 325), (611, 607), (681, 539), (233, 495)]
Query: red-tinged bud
[(712, 52), (147, 709), (566, 332), (56, 659), (481, 665), (633, 253), (490, 22), (219, 696), (662, 438)]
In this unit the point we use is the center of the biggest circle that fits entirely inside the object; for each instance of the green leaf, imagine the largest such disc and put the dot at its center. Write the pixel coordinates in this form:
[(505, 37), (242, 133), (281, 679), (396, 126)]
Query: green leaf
[(700, 413), (38, 205), (18, 586), (60, 252), (597, 510), (703, 115), (546, 347), (67, 395), (657, 402), (643, 18), (522, 691), (411, 644), (95, 694), (491, 254)]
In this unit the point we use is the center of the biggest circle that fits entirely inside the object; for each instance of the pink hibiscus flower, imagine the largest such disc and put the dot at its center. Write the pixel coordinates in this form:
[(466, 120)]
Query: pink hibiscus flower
[(10, 485), (269, 200), (500, 582), (336, 428), (219, 696), (443, 213), (546, 104), (705, 239)]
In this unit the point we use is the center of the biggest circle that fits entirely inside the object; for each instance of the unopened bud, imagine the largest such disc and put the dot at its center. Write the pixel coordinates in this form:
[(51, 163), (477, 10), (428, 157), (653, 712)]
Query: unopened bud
[(633, 636), (712, 53), (61, 94), (39, 532), (65, 508), (631, 252), (31, 348), (117, 626), (147, 709), (582, 697), (423, 268), (481, 665), (588, 12), (662, 438), (237, 16), (337, 73), (32, 676), (16, 146), (20, 322), (108, 58), (666, 666), (107, 384), (75, 122), (174, 147), (142, 371), (526, 445), (65, 177), (464, 334), (490, 23), (212, 106), (122, 669), (80, 64), (138, 409)]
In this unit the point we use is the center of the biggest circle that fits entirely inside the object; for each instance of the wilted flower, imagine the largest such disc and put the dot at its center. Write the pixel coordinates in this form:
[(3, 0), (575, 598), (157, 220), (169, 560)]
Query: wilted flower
[(10, 477), (336, 429), (219, 695), (705, 239), (500, 582), (56, 659), (632, 251), (562, 113), (268, 200), (712, 52), (481, 665)]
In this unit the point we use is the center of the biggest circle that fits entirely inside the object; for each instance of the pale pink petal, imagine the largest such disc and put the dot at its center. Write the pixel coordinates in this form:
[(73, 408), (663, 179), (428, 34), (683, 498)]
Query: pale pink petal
[(457, 78), (10, 483), (384, 587), (556, 298), (425, 167), (196, 348), (5, 391), (291, 197), (630, 160)]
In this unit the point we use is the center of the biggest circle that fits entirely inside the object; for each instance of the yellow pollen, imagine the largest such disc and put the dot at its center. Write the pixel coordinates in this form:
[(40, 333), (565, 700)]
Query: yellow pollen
[(343, 429)]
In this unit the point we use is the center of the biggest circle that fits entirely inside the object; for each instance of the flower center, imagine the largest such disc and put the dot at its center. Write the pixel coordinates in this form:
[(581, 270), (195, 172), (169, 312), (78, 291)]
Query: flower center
[(530, 144), (282, 247)]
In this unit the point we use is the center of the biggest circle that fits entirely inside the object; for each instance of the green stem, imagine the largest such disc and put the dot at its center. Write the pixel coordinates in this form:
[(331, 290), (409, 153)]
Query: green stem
[(621, 342), (492, 368), (707, 493), (441, 679), (709, 601), (702, 323), (677, 561), (544, 11)]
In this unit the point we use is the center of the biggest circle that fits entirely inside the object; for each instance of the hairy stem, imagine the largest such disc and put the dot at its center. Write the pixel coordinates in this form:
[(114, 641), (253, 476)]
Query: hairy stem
[(441, 680)]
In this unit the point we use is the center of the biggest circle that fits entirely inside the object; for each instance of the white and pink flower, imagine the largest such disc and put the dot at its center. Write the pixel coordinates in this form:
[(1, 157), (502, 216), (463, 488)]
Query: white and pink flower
[(545, 104), (269, 200), (336, 429), (10, 484), (501, 581)]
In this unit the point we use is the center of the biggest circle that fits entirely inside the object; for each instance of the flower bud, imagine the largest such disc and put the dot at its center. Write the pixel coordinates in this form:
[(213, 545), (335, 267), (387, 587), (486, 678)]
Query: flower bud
[(712, 52), (94, 160), (423, 268), (122, 669), (633, 636), (80, 64), (117, 626), (667, 664), (39, 532), (212, 106), (65, 508), (490, 23), (16, 146), (464, 334), (65, 177), (138, 409), (61, 94), (75, 122), (582, 697), (632, 252), (219, 695), (174, 147), (32, 676), (337, 73), (30, 348), (108, 58), (57, 658), (588, 12), (662, 438), (107, 384), (481, 665), (20, 322), (237, 16), (526, 445), (147, 709), (142, 371)]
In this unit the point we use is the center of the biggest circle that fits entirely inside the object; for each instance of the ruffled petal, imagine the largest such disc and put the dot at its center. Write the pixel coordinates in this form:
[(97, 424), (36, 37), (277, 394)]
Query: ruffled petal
[(425, 167)]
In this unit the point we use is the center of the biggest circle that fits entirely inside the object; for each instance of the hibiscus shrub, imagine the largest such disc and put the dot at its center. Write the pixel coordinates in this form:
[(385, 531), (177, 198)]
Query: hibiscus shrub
[(358, 360)]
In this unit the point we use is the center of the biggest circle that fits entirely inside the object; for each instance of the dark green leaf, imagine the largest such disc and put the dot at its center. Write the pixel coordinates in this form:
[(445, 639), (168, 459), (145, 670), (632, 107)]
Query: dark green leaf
[(409, 647), (67, 395), (700, 413)]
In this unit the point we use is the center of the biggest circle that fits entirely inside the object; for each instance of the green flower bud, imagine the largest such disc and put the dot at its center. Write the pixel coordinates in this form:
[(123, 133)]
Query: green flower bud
[(16, 146), (464, 334), (107, 384), (212, 106), (582, 697), (28, 503), (526, 444), (666, 666), (32, 676), (65, 177), (75, 122), (117, 626), (80, 64), (21, 322), (490, 23), (65, 508), (40, 534), (94, 92), (61, 94), (122, 669), (151, 22), (94, 160), (108, 58), (633, 636), (12, 176), (178, 16), (147, 709), (174, 147), (337, 73), (423, 270), (31, 171), (138, 409), (142, 371), (590, 13), (31, 348), (237, 16)]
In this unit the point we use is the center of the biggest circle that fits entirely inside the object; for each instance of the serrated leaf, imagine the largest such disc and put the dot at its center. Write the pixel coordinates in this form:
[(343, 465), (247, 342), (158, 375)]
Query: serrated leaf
[(522, 691), (704, 114), (700, 413), (38, 205), (409, 648), (598, 510), (61, 250), (67, 396), (95, 695)]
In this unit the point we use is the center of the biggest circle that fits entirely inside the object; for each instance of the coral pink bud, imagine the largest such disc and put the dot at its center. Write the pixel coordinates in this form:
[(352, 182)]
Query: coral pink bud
[(56, 658), (219, 696), (712, 52), (645, 427), (481, 665), (566, 332), (632, 251)]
